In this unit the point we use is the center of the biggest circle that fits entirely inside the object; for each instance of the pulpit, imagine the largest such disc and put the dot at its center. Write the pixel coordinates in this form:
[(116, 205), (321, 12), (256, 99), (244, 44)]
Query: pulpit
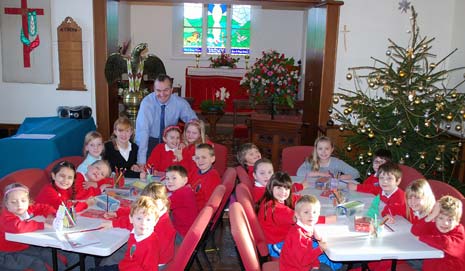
[(203, 83), (271, 136)]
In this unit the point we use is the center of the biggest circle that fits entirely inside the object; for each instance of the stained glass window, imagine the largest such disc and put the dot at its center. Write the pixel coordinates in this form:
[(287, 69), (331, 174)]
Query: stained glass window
[(227, 29), (192, 34), (240, 30)]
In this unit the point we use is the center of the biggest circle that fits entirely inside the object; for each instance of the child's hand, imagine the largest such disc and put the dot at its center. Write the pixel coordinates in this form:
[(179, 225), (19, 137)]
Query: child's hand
[(107, 224), (352, 186), (109, 215), (143, 175), (390, 219), (90, 201), (345, 177), (103, 187), (49, 219), (137, 168), (181, 146), (48, 225), (330, 219), (89, 184), (434, 212), (177, 155)]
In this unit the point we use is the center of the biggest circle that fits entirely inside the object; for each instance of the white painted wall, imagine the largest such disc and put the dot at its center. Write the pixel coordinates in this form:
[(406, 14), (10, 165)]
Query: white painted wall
[(369, 32), (154, 23), (18, 101), (281, 30)]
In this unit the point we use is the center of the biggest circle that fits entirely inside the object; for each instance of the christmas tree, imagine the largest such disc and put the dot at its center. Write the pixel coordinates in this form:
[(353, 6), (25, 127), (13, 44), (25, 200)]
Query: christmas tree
[(406, 107)]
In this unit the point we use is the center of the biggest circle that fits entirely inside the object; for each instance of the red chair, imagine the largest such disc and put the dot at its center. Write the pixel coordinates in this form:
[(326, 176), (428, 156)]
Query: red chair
[(229, 181), (216, 197), (240, 130), (409, 175), (244, 177), (442, 189), (292, 157), (244, 197), (189, 247), (34, 178), (221, 158), (75, 160), (245, 245)]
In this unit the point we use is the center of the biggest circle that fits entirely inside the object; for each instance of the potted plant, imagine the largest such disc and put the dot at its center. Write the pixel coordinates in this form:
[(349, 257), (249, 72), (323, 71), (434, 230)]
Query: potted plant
[(223, 60), (217, 103), (272, 79)]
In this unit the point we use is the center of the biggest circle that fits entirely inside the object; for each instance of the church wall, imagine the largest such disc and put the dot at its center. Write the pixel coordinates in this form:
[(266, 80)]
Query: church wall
[(21, 100), (281, 30)]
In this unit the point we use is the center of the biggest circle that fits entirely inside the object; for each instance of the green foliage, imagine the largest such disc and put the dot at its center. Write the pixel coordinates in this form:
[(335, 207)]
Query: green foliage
[(210, 105), (406, 108)]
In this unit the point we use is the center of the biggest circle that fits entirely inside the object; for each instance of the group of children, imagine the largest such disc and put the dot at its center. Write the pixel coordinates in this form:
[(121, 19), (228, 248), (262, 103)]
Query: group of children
[(158, 219), (287, 219), (164, 212)]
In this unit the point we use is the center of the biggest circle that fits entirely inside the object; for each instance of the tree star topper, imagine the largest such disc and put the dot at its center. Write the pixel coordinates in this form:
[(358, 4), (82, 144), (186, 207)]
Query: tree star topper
[(404, 5)]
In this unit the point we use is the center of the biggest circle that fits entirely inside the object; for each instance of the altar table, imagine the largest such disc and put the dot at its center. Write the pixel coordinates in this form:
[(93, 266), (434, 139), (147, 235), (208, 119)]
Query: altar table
[(44, 139), (203, 83)]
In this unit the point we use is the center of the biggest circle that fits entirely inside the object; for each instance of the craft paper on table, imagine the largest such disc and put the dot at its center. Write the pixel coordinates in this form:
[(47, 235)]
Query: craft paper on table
[(81, 239), (34, 136)]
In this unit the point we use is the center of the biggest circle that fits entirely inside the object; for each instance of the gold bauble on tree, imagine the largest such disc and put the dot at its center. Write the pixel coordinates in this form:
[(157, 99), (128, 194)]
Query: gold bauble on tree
[(402, 73), (335, 100), (349, 148), (458, 127), (371, 134), (449, 117), (349, 76)]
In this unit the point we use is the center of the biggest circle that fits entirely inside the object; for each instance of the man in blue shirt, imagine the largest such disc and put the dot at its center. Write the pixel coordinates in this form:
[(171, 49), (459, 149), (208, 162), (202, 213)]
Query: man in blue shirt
[(158, 110)]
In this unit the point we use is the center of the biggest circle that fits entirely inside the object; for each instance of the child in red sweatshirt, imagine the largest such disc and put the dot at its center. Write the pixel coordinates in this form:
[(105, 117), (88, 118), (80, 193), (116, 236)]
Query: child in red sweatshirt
[(164, 227), (390, 177), (95, 180), (303, 247), (62, 189), (205, 178), (441, 229), (167, 153), (143, 247), (183, 205), (247, 155), (16, 217), (371, 184)]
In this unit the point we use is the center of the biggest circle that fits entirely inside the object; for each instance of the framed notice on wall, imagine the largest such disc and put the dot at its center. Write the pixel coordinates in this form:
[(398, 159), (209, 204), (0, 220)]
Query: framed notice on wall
[(70, 56)]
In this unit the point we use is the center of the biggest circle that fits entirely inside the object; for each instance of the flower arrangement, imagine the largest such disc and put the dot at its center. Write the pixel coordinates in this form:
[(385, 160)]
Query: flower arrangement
[(273, 78), (225, 60)]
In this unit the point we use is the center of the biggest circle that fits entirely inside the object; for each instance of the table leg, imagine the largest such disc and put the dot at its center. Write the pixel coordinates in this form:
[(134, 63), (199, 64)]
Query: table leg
[(394, 265), (82, 262), (54, 259)]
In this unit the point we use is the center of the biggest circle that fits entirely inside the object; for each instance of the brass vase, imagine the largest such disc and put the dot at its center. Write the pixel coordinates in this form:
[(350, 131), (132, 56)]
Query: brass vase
[(131, 101)]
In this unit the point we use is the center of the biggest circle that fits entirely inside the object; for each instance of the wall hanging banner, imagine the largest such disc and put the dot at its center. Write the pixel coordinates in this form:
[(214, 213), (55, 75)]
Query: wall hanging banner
[(26, 41)]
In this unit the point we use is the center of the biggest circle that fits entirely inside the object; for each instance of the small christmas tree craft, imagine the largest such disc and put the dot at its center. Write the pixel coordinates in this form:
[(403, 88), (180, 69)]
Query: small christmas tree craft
[(373, 211)]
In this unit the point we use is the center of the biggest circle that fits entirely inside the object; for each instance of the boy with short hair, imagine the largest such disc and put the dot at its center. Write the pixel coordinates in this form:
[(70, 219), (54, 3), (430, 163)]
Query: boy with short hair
[(141, 253), (441, 229), (371, 184), (390, 177), (303, 248), (183, 203), (205, 178), (95, 180)]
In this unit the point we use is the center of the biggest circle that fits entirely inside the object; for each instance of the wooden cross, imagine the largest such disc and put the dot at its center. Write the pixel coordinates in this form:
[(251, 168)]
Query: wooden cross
[(345, 31), (22, 11)]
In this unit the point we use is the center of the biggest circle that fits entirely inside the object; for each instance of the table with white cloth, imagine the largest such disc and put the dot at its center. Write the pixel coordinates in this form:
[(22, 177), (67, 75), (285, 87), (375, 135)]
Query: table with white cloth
[(101, 242), (344, 244)]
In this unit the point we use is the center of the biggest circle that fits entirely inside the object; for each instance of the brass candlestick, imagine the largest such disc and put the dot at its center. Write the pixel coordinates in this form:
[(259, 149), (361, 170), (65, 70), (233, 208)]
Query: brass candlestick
[(197, 60), (247, 57)]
